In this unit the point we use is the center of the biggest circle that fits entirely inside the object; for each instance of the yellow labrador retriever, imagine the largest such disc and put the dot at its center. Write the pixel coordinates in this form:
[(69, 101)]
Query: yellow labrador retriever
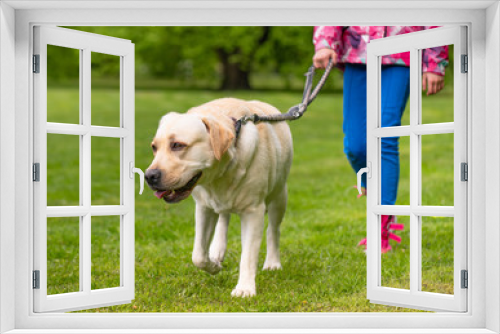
[(198, 152)]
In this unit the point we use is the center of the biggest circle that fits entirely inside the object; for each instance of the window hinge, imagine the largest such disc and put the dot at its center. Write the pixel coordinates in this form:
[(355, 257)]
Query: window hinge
[(36, 63), (465, 64), (36, 172), (36, 279), (465, 279), (464, 171)]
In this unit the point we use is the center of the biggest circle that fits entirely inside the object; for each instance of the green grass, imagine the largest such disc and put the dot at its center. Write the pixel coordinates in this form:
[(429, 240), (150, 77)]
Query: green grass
[(323, 270)]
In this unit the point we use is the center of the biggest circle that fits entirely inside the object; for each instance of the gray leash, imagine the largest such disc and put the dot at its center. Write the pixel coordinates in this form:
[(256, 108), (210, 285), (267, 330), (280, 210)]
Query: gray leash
[(296, 111)]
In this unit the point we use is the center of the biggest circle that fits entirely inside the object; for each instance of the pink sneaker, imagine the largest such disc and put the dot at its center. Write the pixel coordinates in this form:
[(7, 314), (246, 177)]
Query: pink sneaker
[(388, 225), (363, 191)]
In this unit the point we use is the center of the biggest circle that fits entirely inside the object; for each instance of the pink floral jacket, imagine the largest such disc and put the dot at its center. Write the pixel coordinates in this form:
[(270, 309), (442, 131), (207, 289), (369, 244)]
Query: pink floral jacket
[(350, 44)]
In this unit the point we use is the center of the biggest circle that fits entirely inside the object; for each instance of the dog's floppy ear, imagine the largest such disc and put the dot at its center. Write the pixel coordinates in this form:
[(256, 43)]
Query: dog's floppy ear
[(221, 136)]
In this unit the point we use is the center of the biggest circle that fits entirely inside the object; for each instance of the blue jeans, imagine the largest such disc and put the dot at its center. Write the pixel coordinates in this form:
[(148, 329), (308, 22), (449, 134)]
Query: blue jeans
[(395, 92)]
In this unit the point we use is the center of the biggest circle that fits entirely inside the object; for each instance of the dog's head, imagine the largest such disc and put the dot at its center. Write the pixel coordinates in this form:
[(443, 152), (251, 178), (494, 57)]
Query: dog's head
[(184, 147)]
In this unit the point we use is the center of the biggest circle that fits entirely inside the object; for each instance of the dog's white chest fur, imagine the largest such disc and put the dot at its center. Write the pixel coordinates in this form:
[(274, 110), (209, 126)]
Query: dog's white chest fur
[(238, 182)]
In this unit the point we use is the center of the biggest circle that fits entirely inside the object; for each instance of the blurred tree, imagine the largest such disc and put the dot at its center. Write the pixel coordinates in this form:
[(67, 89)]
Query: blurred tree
[(232, 48), (208, 57), (230, 57), (237, 61), (288, 53)]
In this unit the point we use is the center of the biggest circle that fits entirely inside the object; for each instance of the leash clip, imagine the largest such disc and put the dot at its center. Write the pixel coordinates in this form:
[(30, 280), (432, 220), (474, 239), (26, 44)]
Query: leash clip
[(242, 121), (253, 118)]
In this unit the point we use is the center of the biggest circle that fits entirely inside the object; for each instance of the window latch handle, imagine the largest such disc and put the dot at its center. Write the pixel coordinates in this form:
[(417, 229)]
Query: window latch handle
[(134, 170), (366, 170)]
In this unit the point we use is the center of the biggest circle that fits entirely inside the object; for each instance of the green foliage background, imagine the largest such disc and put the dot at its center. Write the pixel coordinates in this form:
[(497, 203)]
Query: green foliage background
[(174, 57), (186, 56)]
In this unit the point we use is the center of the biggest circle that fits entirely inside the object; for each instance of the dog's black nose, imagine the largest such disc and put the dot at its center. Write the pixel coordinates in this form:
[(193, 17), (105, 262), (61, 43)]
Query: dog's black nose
[(153, 176)]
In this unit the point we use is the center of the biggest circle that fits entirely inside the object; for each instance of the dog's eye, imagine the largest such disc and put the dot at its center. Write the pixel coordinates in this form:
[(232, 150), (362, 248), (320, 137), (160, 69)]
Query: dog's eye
[(154, 148), (176, 146)]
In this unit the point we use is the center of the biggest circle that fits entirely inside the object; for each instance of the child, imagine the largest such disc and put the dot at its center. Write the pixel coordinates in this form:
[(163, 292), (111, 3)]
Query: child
[(346, 46)]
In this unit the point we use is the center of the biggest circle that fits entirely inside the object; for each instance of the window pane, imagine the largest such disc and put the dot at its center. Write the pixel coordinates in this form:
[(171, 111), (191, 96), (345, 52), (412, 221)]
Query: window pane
[(395, 264), (63, 170), (438, 108), (105, 78), (437, 254), (395, 90), (63, 85), (63, 246), (395, 171), (437, 169), (105, 252), (105, 171)]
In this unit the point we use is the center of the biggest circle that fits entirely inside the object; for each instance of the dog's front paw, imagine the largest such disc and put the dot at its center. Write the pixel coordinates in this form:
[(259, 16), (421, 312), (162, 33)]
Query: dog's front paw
[(216, 256), (213, 267), (270, 265), (207, 265), (243, 292)]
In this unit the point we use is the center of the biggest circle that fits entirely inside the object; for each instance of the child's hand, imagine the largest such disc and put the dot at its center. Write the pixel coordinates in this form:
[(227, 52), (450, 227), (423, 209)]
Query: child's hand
[(322, 57), (432, 82)]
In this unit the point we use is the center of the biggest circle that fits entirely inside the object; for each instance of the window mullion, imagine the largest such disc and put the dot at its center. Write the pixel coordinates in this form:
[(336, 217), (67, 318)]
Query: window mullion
[(415, 255), (85, 177)]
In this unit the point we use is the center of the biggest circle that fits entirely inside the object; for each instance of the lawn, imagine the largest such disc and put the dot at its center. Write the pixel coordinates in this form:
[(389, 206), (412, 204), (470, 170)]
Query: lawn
[(323, 270)]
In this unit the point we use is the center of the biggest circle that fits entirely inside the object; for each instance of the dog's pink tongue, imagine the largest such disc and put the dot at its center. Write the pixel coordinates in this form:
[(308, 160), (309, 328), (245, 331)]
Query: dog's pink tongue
[(160, 194)]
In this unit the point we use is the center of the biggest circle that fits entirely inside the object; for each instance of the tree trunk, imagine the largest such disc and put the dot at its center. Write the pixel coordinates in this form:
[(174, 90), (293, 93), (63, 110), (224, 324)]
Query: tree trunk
[(233, 76)]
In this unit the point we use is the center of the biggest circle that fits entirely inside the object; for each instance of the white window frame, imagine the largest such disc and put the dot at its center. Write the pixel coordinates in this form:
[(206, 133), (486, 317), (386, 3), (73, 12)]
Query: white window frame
[(86, 44), (414, 44), (483, 20)]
